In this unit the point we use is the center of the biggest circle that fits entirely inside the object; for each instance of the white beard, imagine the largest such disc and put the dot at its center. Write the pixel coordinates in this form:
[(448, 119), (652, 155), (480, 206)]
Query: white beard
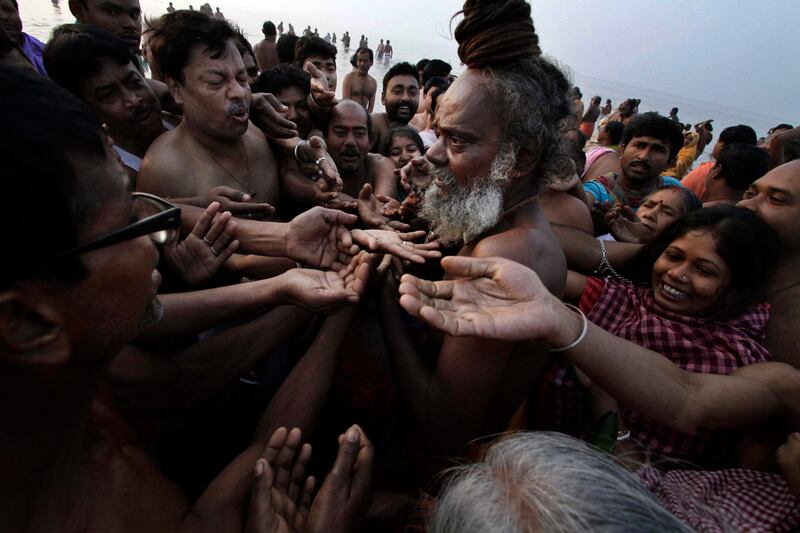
[(459, 215)]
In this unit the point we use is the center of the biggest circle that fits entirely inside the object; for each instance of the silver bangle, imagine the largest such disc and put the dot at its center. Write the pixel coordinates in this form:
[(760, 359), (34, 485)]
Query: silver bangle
[(605, 268), (582, 336)]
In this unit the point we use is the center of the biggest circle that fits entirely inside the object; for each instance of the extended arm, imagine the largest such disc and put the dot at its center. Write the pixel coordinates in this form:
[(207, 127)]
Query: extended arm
[(583, 251)]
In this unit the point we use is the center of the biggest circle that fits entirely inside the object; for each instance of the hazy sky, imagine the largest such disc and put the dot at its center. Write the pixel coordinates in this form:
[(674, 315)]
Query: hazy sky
[(737, 53)]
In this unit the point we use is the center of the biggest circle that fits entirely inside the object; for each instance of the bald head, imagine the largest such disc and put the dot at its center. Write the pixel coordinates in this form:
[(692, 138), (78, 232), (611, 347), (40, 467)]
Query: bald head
[(348, 136)]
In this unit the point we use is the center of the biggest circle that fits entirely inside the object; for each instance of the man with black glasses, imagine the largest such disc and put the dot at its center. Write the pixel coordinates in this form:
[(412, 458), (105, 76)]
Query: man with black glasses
[(79, 283)]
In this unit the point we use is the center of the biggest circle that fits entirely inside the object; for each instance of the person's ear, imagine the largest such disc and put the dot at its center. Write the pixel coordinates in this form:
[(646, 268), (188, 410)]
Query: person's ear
[(31, 329), (526, 163), (715, 172), (383, 98), (175, 89)]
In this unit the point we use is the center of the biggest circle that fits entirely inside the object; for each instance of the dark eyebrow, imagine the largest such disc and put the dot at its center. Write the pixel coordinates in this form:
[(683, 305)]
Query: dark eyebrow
[(458, 132), (779, 191)]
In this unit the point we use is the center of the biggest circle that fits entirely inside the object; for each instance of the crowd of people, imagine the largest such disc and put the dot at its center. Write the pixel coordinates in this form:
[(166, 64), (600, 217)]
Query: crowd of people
[(485, 308)]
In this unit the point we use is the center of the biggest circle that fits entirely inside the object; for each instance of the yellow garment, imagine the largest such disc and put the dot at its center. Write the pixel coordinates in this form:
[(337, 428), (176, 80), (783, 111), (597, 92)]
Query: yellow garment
[(685, 158)]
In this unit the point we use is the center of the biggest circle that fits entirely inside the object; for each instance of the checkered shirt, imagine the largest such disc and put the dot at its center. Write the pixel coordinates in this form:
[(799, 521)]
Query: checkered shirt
[(694, 344), (725, 500)]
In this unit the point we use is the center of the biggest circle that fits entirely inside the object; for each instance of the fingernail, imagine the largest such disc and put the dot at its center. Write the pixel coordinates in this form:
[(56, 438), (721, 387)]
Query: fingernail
[(259, 467), (246, 197), (352, 435)]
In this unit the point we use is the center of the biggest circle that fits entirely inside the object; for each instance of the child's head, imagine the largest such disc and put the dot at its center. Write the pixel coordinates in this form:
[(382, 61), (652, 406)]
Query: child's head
[(404, 144)]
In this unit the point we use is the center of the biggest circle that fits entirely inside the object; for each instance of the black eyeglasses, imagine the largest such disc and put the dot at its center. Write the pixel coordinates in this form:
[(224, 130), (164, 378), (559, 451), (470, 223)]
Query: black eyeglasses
[(156, 218)]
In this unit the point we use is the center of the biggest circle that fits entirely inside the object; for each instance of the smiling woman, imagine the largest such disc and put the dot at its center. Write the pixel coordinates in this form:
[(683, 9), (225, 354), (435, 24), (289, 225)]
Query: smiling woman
[(700, 311)]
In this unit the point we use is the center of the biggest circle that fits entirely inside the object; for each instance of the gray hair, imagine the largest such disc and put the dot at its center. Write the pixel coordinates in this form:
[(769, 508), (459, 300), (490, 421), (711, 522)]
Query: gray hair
[(542, 481), (531, 99)]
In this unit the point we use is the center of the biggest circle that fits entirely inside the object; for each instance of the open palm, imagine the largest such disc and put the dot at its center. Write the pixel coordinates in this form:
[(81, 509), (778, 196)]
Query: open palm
[(491, 298)]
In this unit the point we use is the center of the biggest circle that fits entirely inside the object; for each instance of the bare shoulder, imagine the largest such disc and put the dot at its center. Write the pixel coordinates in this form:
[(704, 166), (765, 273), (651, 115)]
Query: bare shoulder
[(565, 210), (782, 335), (371, 82), (164, 159)]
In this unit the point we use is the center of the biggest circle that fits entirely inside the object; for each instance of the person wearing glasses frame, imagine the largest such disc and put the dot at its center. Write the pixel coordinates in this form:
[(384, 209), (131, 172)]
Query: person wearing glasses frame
[(79, 286)]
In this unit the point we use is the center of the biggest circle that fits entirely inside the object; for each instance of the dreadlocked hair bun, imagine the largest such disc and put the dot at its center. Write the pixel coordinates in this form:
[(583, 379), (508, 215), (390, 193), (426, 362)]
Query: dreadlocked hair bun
[(496, 32)]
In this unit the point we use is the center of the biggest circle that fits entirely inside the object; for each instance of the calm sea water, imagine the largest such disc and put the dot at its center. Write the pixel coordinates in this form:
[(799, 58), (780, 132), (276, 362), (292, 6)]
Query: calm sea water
[(40, 16)]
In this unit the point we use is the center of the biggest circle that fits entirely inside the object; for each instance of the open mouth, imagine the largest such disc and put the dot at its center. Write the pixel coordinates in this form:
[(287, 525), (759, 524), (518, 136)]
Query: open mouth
[(673, 293)]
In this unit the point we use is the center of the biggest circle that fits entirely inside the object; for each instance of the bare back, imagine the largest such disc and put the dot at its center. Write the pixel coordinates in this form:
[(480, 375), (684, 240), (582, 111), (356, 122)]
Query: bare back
[(266, 54)]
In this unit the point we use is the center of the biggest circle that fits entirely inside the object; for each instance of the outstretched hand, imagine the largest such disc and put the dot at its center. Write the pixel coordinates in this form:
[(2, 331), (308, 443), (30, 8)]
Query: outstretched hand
[(319, 291), (315, 163), (625, 226), (319, 238), (281, 492), (266, 112), (321, 93), (415, 176), (343, 499), (200, 255), (400, 245), (238, 203), (370, 212), (492, 298)]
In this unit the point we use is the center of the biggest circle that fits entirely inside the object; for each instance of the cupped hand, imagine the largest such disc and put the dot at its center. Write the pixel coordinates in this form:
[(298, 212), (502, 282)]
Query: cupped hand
[(319, 238), (492, 298), (343, 499), (369, 212), (238, 203), (625, 226), (320, 291), (415, 176)]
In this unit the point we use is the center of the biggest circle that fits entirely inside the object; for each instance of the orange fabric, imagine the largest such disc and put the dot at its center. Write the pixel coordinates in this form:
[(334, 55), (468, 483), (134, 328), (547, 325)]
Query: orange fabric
[(695, 180), (587, 128)]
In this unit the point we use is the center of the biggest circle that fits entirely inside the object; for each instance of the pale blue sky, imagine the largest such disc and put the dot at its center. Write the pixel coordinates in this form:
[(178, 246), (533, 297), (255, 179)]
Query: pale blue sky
[(736, 53)]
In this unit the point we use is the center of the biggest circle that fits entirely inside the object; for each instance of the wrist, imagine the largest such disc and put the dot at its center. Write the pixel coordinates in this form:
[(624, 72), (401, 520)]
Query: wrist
[(569, 327)]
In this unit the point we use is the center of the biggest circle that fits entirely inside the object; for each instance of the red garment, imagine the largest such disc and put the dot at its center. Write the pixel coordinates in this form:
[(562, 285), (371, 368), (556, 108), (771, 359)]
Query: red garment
[(694, 344), (725, 500)]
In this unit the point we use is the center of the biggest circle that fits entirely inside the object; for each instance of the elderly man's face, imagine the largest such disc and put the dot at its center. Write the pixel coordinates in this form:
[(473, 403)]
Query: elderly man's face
[(469, 130), (121, 98), (215, 93), (471, 167), (123, 18), (347, 136)]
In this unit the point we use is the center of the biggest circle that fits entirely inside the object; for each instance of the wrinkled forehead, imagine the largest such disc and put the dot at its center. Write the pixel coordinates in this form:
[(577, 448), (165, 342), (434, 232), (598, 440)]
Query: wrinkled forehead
[(228, 59), (468, 104)]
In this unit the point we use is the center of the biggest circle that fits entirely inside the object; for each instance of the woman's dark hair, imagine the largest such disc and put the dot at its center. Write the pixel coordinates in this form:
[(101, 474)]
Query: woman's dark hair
[(748, 245), (406, 132)]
